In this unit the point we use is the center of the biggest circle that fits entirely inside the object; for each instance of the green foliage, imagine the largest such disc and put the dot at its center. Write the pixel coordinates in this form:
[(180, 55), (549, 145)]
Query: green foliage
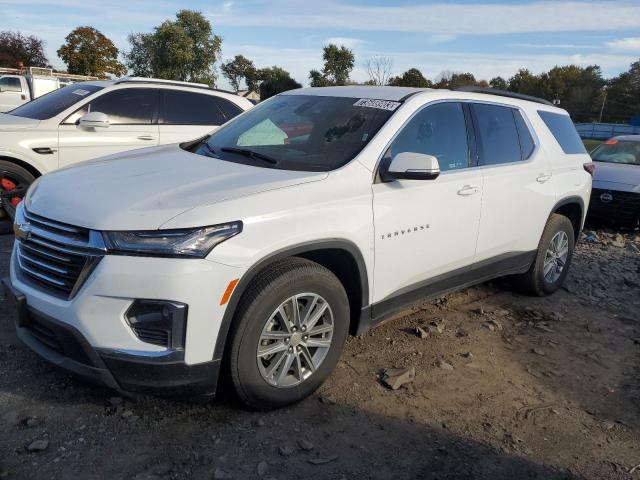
[(411, 78), (239, 69), (338, 63), (275, 80), (17, 49), (184, 49), (453, 81), (623, 96), (498, 83), (88, 52)]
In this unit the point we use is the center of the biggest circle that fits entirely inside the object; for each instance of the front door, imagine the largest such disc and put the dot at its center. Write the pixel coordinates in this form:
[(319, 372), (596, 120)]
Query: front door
[(426, 230), (132, 116)]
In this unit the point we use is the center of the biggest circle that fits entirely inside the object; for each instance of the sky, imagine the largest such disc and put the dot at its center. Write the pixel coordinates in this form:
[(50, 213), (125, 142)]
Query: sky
[(484, 38)]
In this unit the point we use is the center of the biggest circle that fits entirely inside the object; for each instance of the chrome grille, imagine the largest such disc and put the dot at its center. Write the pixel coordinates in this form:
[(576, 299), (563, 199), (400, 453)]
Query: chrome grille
[(55, 256)]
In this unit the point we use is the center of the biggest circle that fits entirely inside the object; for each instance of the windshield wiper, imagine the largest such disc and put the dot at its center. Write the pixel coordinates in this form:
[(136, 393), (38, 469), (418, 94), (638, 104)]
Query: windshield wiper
[(251, 154), (209, 152)]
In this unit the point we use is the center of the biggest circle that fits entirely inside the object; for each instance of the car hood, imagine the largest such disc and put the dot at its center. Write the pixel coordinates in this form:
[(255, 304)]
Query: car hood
[(12, 122), (143, 189), (616, 173)]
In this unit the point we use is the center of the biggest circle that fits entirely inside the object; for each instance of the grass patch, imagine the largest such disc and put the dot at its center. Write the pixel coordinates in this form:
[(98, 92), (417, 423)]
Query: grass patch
[(591, 144)]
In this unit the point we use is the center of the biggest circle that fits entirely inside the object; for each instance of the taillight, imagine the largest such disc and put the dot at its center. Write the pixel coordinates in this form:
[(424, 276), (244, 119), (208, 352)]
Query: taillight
[(590, 167)]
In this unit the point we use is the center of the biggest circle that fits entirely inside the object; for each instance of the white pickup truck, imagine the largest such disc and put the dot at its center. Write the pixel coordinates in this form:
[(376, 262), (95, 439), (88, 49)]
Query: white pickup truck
[(21, 85)]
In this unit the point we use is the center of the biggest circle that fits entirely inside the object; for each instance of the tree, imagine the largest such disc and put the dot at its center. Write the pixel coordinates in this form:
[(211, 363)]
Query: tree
[(239, 69), (379, 70), (411, 78), (185, 49), (275, 80), (499, 83), (88, 52), (623, 96), (338, 63), (17, 49), (453, 81), (529, 84), (579, 90)]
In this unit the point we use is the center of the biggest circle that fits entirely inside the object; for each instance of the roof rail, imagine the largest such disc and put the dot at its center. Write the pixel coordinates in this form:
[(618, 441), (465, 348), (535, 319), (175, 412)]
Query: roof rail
[(504, 93), (160, 81)]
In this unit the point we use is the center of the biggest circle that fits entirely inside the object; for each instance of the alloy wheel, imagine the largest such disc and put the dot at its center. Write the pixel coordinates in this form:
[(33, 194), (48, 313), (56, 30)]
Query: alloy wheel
[(556, 256), (295, 340)]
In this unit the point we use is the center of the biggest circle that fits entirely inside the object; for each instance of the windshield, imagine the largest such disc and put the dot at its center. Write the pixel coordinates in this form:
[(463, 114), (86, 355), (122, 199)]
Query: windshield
[(53, 103), (300, 132), (618, 151)]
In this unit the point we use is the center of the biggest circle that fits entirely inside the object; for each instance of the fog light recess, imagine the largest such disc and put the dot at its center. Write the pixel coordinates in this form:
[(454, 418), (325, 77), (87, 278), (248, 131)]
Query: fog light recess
[(159, 322)]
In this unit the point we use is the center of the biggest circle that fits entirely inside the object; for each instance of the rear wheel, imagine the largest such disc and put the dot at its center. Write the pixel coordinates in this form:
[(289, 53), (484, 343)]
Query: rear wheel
[(14, 182), (288, 334), (553, 258)]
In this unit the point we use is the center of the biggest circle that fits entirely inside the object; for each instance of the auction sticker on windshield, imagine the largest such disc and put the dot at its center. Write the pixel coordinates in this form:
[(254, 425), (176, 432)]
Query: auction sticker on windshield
[(372, 103), (81, 92)]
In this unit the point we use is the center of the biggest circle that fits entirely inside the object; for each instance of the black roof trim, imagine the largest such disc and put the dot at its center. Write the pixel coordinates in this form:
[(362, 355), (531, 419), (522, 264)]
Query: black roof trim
[(175, 84), (504, 93)]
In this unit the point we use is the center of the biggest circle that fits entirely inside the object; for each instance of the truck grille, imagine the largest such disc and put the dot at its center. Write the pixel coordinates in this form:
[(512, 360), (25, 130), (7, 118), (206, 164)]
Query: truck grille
[(55, 256)]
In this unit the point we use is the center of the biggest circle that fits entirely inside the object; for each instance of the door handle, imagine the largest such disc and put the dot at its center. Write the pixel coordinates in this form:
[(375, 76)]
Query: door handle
[(468, 190), (146, 137), (543, 177)]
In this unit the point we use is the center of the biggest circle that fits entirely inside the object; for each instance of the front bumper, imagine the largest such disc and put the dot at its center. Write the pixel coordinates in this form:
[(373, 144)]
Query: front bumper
[(614, 206), (63, 345)]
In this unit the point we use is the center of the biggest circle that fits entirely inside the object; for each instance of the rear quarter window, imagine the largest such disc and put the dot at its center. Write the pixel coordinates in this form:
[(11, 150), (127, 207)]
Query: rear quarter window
[(564, 132)]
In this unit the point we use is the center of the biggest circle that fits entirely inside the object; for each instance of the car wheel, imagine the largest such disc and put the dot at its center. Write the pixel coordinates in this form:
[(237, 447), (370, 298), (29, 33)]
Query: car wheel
[(553, 258), (14, 182), (288, 334)]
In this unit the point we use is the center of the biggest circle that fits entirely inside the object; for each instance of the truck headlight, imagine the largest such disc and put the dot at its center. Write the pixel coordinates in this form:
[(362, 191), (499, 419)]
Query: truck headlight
[(192, 242)]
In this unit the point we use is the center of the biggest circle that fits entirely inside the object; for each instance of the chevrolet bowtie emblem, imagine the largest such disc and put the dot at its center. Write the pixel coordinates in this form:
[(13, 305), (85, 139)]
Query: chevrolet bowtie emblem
[(22, 230)]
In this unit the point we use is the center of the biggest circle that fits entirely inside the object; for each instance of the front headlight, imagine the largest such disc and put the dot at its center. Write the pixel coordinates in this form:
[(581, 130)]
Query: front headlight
[(193, 242)]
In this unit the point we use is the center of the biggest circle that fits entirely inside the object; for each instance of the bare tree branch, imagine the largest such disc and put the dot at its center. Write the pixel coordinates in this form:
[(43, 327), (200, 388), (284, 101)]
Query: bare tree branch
[(379, 70)]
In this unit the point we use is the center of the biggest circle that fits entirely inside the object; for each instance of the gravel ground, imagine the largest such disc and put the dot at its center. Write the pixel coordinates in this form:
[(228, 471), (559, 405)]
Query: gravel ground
[(505, 387)]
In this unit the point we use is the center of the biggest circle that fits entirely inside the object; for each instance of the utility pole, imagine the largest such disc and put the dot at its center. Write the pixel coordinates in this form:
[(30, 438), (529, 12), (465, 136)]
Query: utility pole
[(604, 99)]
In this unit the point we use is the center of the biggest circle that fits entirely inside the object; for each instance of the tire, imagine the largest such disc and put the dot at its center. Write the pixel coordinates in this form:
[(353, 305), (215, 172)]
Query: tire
[(21, 179), (534, 281), (259, 315)]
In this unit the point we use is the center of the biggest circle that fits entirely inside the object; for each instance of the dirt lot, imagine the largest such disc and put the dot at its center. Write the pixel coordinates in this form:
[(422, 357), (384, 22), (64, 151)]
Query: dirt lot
[(506, 387)]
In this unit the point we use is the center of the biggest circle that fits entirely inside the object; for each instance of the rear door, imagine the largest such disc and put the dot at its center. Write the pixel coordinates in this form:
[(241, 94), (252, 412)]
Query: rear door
[(133, 124), (187, 115), (518, 189)]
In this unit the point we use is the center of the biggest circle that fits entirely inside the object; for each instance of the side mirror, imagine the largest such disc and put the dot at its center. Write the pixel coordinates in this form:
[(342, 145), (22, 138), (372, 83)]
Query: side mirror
[(94, 120), (411, 166)]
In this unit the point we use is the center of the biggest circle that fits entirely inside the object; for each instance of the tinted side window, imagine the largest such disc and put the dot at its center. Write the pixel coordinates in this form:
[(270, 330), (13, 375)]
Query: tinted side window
[(128, 106), (188, 108), (229, 109), (564, 131), (497, 134), (10, 84), (527, 144), (439, 130)]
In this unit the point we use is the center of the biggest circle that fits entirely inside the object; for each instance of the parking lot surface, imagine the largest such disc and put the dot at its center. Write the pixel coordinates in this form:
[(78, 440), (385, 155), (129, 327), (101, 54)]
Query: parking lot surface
[(506, 387)]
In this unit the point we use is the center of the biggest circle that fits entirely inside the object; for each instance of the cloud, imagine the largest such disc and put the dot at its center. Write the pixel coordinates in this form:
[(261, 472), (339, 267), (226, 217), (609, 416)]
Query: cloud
[(348, 42), (557, 46), (442, 18), (631, 44)]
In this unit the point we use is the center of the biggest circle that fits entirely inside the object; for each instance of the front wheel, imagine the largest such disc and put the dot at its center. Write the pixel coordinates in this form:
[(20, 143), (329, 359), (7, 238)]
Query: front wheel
[(553, 258), (288, 334), (14, 182)]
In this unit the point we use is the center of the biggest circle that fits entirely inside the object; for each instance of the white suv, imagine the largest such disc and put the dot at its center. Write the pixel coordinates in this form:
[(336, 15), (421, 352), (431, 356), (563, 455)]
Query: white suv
[(319, 212), (97, 118)]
